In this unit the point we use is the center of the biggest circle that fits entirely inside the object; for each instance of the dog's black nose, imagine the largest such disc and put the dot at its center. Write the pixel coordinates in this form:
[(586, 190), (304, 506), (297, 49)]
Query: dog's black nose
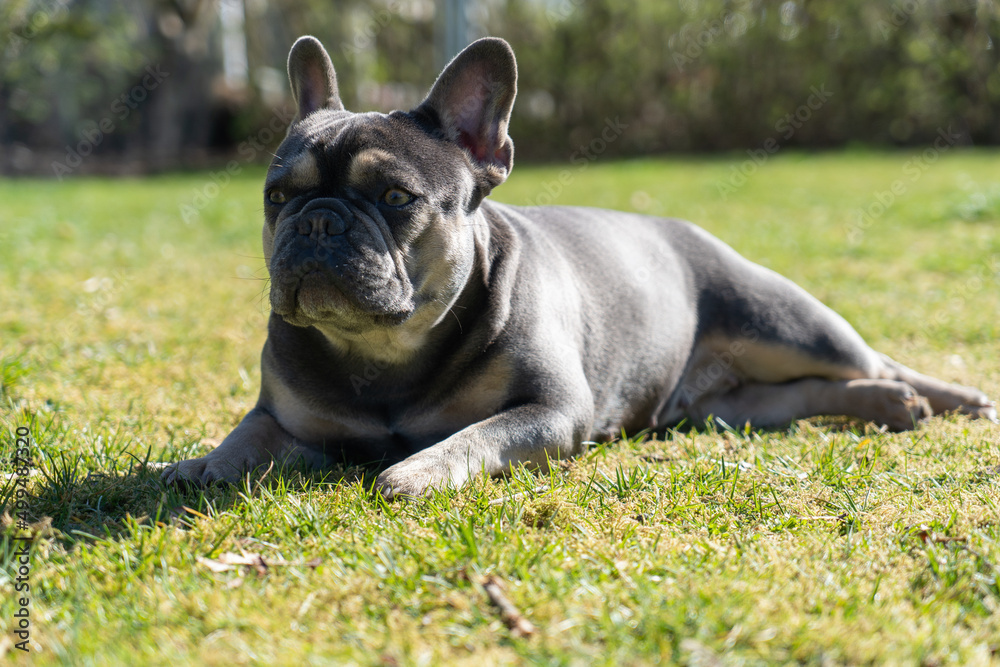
[(321, 221)]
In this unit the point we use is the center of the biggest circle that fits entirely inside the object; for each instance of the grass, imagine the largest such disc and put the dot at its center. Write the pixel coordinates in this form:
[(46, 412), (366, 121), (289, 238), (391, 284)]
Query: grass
[(128, 335)]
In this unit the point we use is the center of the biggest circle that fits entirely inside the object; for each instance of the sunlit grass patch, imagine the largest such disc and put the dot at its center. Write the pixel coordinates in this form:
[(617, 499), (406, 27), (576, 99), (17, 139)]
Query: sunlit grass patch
[(129, 337)]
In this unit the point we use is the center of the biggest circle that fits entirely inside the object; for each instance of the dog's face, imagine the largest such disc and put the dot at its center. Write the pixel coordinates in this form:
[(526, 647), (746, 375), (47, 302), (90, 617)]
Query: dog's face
[(370, 219)]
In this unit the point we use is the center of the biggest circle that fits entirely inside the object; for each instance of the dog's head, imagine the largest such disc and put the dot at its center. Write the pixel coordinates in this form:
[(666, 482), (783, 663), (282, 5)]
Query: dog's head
[(370, 218)]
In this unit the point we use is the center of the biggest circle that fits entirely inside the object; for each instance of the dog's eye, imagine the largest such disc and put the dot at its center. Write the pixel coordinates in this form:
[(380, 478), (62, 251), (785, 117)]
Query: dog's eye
[(396, 197), (276, 196)]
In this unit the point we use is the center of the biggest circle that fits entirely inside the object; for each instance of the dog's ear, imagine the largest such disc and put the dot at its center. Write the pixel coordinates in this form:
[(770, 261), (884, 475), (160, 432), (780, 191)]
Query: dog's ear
[(314, 83), (471, 101)]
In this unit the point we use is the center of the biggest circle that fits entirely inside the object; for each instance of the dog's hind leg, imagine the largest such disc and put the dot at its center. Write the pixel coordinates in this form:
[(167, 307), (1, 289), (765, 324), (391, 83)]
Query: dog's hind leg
[(771, 353), (890, 403)]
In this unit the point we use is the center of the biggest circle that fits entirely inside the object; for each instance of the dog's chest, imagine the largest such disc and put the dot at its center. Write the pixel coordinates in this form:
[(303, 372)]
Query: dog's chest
[(465, 405), (415, 419)]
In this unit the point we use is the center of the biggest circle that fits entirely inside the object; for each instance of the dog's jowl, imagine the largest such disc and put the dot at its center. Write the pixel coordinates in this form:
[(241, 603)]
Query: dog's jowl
[(416, 322)]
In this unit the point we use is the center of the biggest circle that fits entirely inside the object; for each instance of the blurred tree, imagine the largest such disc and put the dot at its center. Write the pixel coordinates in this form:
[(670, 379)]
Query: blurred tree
[(724, 74), (176, 83)]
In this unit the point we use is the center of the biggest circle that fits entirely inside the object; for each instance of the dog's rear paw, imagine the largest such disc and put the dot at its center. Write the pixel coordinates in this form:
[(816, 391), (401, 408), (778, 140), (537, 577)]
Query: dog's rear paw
[(890, 403), (907, 416), (984, 409), (915, 409)]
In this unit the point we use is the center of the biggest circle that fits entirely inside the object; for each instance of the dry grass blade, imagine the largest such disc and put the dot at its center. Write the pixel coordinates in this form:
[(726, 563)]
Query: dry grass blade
[(250, 561), (517, 496)]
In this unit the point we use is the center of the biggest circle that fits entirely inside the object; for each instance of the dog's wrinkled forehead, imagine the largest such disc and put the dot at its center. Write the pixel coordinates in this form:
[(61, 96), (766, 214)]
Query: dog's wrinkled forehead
[(340, 147)]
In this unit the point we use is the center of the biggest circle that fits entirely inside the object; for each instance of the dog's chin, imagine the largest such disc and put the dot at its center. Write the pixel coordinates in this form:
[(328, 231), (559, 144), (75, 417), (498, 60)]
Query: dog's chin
[(316, 301)]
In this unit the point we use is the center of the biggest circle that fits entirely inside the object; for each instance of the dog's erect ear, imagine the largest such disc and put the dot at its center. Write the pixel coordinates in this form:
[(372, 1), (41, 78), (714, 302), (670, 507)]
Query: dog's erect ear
[(314, 83), (471, 102)]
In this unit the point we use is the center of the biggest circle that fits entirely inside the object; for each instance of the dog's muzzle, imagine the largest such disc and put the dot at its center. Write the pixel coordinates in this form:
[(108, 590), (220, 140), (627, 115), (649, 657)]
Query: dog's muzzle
[(333, 256), (323, 217)]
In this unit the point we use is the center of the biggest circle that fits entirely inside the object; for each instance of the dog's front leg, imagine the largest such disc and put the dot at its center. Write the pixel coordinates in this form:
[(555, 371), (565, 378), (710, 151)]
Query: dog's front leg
[(256, 441), (528, 434)]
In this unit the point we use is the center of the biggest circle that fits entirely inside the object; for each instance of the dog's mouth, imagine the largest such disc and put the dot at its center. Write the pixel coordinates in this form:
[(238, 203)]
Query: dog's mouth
[(317, 297)]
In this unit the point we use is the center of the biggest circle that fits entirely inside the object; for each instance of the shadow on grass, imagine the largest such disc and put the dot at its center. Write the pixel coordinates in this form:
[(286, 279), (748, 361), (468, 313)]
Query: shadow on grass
[(72, 502), (714, 426), (71, 505)]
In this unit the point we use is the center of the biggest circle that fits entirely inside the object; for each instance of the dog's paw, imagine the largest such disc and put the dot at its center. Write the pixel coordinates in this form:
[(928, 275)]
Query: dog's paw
[(974, 403), (202, 472), (892, 404), (984, 409), (417, 476), (903, 408)]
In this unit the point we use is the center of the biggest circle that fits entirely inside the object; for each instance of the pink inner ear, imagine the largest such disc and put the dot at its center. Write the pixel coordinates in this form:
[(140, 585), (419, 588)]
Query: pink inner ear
[(478, 131), (471, 143), (468, 102), (502, 157), (314, 89)]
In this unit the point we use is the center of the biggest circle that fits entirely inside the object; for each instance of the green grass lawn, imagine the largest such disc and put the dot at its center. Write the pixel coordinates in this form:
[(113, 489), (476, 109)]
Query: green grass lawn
[(129, 335)]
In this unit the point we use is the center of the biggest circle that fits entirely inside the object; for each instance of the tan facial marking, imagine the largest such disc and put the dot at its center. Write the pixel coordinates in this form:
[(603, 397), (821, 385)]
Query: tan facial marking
[(366, 162), (305, 170)]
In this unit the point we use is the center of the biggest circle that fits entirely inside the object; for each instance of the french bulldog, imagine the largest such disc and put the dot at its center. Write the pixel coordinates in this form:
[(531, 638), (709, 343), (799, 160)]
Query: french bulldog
[(418, 324)]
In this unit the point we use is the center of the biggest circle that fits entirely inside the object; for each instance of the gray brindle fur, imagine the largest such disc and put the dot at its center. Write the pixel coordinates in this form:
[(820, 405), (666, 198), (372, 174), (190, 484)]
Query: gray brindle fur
[(416, 323)]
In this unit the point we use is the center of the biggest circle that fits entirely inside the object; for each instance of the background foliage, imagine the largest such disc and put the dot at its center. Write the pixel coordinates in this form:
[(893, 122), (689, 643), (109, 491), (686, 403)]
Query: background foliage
[(689, 75)]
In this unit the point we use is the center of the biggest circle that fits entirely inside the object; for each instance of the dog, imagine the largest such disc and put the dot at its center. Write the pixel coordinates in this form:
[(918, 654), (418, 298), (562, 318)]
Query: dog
[(414, 322)]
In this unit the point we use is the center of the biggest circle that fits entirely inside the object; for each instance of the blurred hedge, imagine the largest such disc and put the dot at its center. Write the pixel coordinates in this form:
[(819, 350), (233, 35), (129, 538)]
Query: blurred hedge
[(650, 75), (709, 75)]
